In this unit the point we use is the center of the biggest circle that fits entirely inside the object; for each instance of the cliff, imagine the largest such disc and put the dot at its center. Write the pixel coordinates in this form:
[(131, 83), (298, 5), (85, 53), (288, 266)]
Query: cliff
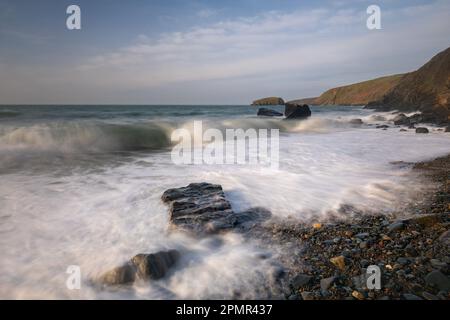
[(359, 93), (426, 90)]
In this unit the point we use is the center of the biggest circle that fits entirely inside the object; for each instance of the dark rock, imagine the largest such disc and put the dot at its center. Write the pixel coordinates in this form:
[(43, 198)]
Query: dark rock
[(396, 226), (202, 208), (438, 279), (410, 296), (429, 296), (409, 249), (362, 235), (383, 126), (437, 264), (447, 129), (300, 281), (142, 266), (296, 111), (326, 283), (268, 112), (401, 119), (356, 121), (403, 130), (306, 295), (155, 265), (422, 130)]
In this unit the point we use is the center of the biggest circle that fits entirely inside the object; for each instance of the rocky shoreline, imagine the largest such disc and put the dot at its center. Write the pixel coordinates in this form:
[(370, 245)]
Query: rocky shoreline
[(323, 259), (411, 249)]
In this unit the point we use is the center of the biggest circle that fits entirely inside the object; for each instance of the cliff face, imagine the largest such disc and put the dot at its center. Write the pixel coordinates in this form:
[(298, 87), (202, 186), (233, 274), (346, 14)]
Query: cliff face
[(426, 90), (359, 93), (269, 101)]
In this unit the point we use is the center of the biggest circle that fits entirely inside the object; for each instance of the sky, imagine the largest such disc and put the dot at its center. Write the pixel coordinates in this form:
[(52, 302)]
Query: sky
[(207, 51)]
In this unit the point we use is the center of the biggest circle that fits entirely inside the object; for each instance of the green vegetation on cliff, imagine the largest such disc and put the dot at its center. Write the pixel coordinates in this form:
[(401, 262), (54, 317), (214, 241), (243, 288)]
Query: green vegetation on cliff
[(269, 101), (359, 93)]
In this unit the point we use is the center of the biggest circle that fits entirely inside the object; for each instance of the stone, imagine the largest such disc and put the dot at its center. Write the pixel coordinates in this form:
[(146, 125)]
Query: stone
[(445, 238), (422, 130), (300, 281), (447, 129), (306, 295), (122, 275), (401, 119), (356, 121), (383, 126), (317, 225), (362, 235), (357, 295), (437, 264), (268, 112), (326, 283), (396, 226), (339, 262), (429, 296), (403, 261), (296, 111), (410, 296), (438, 279), (403, 130), (155, 265), (142, 266)]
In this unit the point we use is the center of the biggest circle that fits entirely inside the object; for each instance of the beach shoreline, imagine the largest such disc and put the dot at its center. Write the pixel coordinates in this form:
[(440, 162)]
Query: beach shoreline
[(410, 248)]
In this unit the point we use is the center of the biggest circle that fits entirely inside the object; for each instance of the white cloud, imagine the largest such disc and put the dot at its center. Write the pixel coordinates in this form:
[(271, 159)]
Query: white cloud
[(250, 54)]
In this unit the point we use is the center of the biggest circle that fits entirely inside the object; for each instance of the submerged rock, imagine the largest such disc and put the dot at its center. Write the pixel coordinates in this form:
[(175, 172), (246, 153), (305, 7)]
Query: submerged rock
[(422, 130), (202, 208), (356, 121), (401, 119), (142, 266), (268, 112), (296, 111)]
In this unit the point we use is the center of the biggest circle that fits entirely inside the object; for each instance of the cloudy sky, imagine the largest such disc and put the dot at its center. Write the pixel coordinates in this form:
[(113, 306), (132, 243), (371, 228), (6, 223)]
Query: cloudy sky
[(207, 51)]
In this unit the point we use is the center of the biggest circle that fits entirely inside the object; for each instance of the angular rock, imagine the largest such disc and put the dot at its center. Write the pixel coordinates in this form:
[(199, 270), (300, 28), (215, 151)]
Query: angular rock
[(445, 238), (306, 295), (401, 119), (201, 208), (339, 262), (296, 111), (268, 112), (438, 279), (300, 281), (326, 283)]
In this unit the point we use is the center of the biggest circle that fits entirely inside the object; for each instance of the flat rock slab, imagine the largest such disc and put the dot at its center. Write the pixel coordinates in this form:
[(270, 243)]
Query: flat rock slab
[(202, 208)]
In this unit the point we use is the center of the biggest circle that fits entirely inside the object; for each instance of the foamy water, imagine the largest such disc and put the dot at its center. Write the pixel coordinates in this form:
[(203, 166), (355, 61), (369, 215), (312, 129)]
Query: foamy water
[(82, 186)]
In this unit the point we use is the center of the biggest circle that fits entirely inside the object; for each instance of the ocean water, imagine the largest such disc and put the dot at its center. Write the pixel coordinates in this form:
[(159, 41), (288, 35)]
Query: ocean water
[(81, 185)]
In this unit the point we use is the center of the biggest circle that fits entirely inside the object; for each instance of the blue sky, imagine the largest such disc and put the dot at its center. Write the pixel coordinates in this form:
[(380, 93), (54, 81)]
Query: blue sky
[(218, 52)]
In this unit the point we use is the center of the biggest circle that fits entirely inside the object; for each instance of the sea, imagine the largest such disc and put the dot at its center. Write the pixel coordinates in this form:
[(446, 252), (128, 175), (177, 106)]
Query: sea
[(81, 186)]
